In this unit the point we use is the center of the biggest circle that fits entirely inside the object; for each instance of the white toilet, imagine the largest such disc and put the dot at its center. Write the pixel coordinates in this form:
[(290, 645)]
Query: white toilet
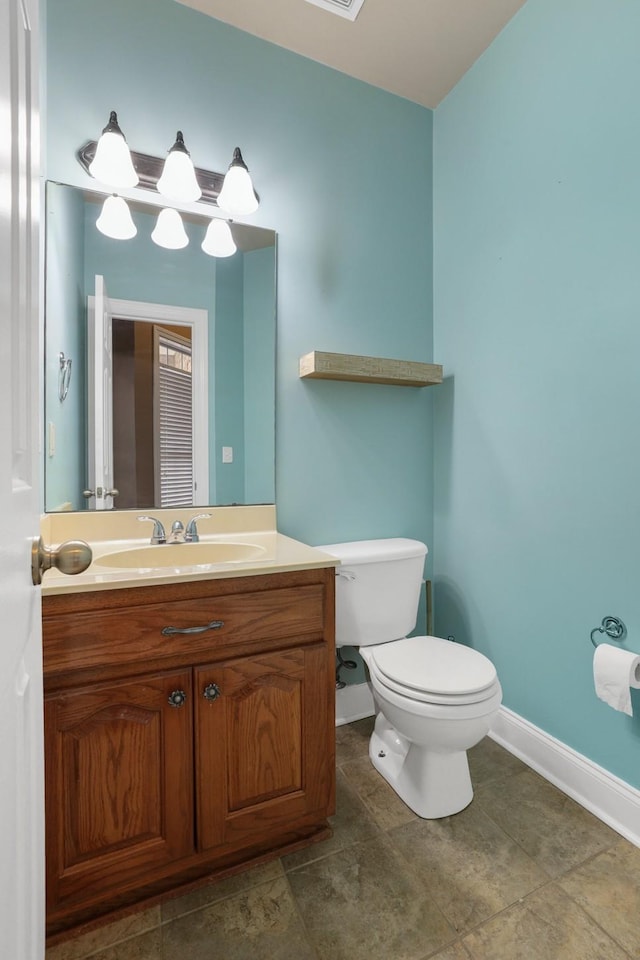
[(434, 698)]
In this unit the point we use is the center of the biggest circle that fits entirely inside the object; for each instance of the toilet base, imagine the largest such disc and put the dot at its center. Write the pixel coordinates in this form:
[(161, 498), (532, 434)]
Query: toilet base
[(433, 785)]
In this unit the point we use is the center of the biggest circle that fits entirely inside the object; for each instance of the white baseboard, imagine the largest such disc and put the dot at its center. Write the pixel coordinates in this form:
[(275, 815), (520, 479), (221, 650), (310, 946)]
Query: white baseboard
[(610, 799)]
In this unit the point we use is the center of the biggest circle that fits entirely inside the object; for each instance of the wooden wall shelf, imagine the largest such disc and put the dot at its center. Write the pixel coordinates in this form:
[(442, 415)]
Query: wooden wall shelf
[(345, 366)]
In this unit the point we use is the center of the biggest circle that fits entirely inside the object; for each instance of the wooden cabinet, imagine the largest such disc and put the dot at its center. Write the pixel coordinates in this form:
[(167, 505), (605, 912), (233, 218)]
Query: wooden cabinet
[(189, 732), (119, 783), (260, 752)]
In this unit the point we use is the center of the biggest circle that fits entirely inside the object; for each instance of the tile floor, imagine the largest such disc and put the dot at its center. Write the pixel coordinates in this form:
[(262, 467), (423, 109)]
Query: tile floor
[(523, 873)]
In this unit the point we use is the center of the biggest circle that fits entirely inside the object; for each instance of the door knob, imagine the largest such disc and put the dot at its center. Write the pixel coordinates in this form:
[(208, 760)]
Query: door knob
[(87, 494), (71, 557)]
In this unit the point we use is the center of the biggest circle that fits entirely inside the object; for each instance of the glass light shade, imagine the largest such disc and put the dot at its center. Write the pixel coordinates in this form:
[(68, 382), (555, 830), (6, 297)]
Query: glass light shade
[(115, 219), (169, 230), (178, 180), (112, 163), (218, 241), (237, 197)]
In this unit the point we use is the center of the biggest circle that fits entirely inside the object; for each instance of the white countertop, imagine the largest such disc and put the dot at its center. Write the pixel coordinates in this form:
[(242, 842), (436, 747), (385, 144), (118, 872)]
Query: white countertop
[(279, 553)]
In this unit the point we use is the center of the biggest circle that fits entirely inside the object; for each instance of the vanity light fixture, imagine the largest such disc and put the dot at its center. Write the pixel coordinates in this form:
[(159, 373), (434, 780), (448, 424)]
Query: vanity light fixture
[(237, 197), (218, 240), (175, 178), (115, 219), (112, 162), (178, 181), (169, 230)]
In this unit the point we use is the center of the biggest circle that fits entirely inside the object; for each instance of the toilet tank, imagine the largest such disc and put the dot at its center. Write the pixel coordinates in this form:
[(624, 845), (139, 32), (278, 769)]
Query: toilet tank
[(377, 589)]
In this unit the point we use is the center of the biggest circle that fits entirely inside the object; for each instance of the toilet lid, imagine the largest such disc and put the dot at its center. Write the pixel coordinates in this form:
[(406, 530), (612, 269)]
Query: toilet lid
[(431, 665)]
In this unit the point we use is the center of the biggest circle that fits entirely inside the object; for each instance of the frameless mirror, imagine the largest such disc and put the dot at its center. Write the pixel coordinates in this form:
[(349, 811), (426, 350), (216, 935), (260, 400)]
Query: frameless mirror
[(160, 364)]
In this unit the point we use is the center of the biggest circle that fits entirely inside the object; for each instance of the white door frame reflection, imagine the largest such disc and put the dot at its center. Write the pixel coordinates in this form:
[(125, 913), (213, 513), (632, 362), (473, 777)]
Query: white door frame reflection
[(99, 388)]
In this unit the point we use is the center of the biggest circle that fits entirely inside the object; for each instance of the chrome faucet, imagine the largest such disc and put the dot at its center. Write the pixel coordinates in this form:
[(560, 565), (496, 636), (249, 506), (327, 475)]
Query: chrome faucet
[(178, 533), (158, 535), (191, 533)]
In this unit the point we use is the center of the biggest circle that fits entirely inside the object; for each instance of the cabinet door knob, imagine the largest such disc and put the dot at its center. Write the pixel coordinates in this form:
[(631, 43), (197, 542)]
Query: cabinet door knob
[(177, 698), (211, 691)]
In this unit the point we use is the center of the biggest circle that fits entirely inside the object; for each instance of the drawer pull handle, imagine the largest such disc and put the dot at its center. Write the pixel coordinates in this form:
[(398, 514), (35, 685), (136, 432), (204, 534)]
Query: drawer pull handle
[(172, 631), (211, 691), (177, 698)]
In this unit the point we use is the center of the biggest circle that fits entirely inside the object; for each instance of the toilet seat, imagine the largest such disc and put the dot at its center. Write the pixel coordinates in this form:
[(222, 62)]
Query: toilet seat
[(433, 670)]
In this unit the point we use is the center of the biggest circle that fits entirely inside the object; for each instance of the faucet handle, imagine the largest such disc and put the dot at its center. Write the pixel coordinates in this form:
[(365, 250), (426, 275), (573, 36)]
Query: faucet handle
[(158, 535), (191, 533)]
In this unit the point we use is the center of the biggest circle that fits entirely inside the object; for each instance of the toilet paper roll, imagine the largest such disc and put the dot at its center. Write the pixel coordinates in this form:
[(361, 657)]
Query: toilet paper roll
[(615, 671)]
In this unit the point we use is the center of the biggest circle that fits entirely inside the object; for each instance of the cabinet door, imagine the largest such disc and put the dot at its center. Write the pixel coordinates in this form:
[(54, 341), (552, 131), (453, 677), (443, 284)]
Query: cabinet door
[(119, 786), (263, 760)]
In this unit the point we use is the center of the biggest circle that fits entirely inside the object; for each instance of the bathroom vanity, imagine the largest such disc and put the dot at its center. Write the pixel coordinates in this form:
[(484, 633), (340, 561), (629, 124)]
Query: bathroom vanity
[(189, 728)]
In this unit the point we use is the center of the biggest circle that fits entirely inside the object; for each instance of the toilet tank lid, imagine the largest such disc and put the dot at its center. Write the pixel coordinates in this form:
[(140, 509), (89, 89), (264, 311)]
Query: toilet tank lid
[(376, 551)]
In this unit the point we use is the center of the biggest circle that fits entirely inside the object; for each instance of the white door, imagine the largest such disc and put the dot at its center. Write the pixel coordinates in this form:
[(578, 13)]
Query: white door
[(100, 394), (21, 751)]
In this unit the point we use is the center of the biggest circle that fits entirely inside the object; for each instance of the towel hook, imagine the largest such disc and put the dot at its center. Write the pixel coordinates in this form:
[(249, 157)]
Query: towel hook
[(64, 376), (613, 627)]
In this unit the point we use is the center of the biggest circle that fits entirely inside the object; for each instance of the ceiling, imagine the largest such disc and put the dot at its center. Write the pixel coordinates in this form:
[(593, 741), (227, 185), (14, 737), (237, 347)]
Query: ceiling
[(417, 49)]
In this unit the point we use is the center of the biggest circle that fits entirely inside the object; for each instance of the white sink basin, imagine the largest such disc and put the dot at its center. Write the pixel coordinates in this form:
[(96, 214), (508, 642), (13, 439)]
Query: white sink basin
[(178, 555)]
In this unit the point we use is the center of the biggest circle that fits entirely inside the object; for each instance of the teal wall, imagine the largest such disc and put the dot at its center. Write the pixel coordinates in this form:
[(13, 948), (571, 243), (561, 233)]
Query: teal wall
[(65, 470), (229, 375), (259, 372), (537, 307), (344, 175)]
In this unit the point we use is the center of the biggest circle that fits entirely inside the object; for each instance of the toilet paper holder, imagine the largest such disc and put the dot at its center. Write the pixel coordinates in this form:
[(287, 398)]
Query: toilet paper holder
[(613, 627)]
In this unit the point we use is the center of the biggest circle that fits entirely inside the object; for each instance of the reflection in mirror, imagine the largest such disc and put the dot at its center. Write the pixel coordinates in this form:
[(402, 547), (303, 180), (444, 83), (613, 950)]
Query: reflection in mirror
[(173, 362)]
